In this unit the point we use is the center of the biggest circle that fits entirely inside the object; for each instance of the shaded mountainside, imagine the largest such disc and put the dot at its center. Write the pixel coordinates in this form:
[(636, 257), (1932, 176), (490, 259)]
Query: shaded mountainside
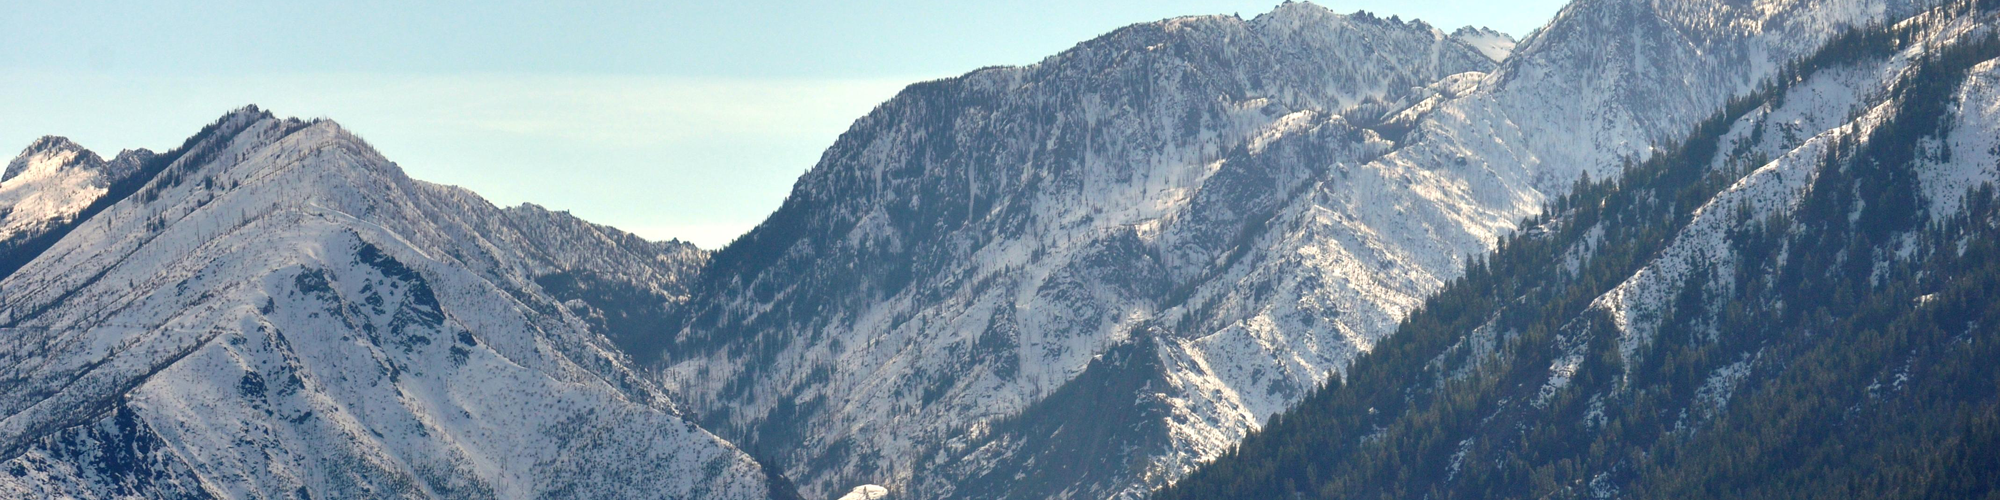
[(1795, 302), (276, 311), (623, 285)]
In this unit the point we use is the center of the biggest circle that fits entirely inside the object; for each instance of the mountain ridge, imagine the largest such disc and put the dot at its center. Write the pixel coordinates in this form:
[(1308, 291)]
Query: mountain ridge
[(1009, 178), (279, 312)]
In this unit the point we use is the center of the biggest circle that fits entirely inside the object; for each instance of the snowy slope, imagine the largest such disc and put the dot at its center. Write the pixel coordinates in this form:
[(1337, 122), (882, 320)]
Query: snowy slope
[(281, 313)]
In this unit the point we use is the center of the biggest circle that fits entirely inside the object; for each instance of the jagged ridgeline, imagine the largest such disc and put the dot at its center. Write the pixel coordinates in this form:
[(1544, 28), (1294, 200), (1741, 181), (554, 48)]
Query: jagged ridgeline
[(1750, 314)]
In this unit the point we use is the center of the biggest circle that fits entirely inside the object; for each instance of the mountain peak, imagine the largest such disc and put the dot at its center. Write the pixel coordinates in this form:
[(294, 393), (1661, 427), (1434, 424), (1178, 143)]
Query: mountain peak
[(52, 143), (1299, 13), (1294, 17), (1490, 42), (248, 111), (1298, 10), (46, 146), (322, 131)]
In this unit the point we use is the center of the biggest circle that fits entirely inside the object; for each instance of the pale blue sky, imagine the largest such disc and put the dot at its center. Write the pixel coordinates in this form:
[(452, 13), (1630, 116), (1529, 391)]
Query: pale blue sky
[(668, 119)]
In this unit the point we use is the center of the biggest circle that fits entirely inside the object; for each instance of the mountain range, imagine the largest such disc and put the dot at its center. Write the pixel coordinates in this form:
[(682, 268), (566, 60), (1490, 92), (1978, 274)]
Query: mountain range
[(1302, 254)]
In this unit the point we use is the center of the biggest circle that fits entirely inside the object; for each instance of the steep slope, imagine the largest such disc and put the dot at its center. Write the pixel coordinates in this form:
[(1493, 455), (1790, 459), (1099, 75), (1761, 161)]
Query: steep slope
[(1081, 278), (1790, 304), (975, 243), (278, 312)]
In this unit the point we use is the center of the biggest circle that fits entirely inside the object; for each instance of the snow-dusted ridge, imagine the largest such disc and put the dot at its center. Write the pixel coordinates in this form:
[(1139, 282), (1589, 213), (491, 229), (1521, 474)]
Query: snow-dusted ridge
[(280, 312)]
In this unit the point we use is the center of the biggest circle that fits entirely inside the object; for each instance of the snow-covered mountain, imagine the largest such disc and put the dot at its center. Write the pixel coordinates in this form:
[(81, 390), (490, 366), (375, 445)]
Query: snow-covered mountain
[(971, 246), (1083, 277), (276, 311)]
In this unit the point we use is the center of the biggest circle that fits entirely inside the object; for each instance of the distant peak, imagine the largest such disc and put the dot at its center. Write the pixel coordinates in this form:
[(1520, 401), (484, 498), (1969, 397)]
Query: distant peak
[(249, 115), (1480, 31), (243, 116), (1296, 12), (48, 144), (134, 155), (1491, 43), (52, 143), (248, 111), (235, 120), (1299, 8)]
